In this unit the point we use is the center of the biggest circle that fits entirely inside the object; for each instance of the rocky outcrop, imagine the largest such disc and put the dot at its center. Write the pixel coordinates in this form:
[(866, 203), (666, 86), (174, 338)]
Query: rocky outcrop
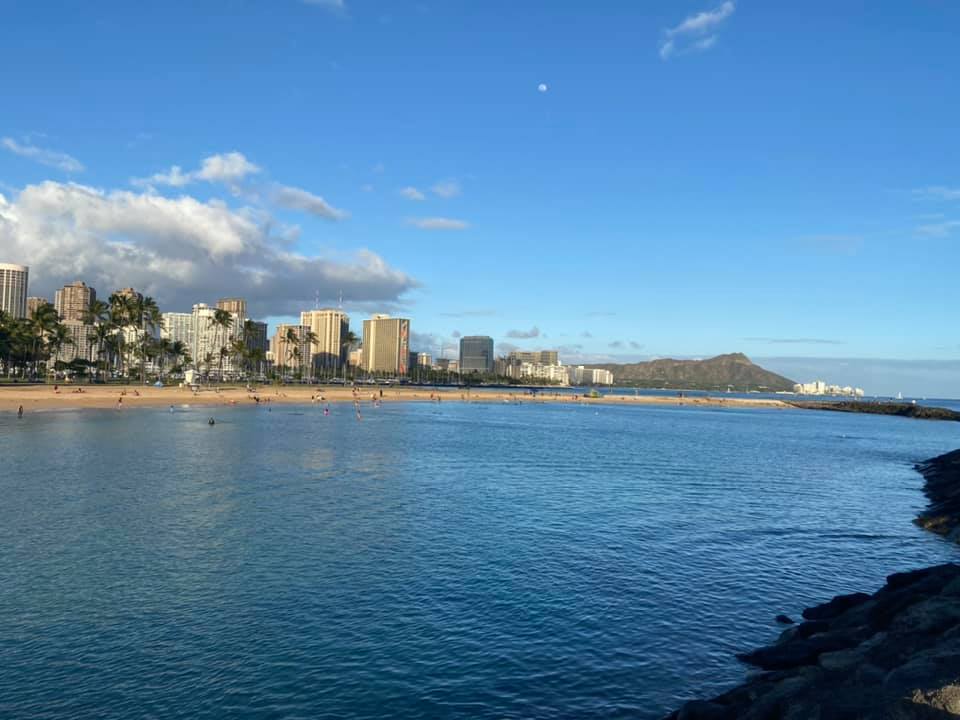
[(892, 655), (942, 488), (918, 412)]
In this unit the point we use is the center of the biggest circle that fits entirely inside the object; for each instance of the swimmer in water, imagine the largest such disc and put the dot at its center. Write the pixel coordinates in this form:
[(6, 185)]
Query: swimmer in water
[(211, 421), (326, 410), (20, 412)]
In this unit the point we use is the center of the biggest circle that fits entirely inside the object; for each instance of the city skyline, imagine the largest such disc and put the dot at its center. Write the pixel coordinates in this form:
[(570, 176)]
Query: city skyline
[(736, 195)]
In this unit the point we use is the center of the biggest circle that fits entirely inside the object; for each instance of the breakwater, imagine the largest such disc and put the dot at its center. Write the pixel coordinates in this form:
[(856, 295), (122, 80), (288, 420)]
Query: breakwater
[(892, 654), (918, 412)]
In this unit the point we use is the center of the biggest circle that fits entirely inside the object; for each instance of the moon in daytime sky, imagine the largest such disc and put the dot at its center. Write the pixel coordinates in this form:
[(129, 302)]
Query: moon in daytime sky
[(542, 87)]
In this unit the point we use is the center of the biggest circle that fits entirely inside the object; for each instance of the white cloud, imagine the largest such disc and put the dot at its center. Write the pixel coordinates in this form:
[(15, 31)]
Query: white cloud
[(175, 177), (338, 6), (297, 199), (696, 33), (939, 191), (233, 169), (446, 188), (942, 229), (411, 193), (438, 223), (50, 158), (228, 168), (179, 250)]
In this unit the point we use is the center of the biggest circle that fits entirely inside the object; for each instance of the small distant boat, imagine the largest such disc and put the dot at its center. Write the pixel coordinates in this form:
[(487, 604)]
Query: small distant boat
[(899, 396)]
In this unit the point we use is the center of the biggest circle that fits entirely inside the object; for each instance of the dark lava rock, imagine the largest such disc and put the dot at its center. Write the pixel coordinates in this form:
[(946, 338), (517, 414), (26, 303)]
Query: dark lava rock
[(703, 710), (839, 605), (894, 655), (784, 620), (805, 630)]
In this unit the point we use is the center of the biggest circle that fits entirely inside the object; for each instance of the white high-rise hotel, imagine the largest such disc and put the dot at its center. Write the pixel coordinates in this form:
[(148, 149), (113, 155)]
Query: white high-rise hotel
[(13, 289)]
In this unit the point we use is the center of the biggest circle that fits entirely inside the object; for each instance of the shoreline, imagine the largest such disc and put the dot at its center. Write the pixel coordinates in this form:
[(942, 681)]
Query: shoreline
[(67, 397), (894, 653)]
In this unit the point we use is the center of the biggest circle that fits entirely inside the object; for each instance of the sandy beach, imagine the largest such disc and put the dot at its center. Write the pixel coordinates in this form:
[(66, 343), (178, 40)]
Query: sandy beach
[(44, 397)]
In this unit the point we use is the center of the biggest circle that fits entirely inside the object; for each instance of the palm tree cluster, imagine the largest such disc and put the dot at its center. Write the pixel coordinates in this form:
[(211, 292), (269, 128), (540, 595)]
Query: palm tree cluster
[(27, 345), (121, 336)]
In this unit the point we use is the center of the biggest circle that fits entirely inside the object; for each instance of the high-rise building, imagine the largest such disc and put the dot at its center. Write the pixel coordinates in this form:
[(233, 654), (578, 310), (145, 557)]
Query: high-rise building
[(13, 289), (81, 346), (330, 327), (74, 301), (476, 354), (290, 347), (128, 293), (33, 304), (177, 327), (234, 306), (386, 345), (581, 375), (255, 338), (208, 339), (536, 357), (420, 359)]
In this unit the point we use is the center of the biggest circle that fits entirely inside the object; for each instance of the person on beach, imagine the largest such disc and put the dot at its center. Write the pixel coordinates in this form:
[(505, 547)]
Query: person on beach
[(20, 411), (119, 402)]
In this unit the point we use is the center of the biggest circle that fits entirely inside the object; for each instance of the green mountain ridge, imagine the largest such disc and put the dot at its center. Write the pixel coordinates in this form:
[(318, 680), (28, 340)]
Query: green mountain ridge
[(734, 370)]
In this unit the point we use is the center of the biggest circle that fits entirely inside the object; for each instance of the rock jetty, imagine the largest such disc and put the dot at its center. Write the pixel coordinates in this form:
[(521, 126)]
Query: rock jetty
[(892, 655), (918, 412)]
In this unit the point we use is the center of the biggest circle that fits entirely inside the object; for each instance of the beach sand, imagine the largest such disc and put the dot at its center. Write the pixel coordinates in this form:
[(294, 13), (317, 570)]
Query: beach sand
[(43, 397)]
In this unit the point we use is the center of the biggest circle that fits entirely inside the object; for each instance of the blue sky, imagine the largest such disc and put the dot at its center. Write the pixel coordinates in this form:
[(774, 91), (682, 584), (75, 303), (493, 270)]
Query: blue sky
[(697, 178)]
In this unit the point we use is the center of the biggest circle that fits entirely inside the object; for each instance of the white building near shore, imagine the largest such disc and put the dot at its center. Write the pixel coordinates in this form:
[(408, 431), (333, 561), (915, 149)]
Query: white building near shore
[(819, 387)]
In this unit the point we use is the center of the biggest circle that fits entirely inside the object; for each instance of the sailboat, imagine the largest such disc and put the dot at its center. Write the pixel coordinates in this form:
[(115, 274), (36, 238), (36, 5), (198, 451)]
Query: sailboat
[(899, 396)]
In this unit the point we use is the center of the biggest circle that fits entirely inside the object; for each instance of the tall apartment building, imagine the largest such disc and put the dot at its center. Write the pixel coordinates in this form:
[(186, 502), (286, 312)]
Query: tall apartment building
[(476, 354), (177, 327), (536, 357), (81, 344), (295, 353), (73, 301), (255, 335), (330, 328), (13, 289), (255, 338), (33, 303), (234, 306), (581, 375), (386, 345)]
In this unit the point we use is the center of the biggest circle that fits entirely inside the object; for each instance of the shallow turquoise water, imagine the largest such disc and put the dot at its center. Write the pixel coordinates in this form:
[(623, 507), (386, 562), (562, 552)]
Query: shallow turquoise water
[(474, 561)]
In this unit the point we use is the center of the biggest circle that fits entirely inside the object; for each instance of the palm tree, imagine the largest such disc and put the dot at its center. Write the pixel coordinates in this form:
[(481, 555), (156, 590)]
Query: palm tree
[(119, 320), (180, 354), (309, 340), (221, 321), (163, 348), (292, 338), (101, 335), (148, 314), (43, 321), (58, 338), (348, 340)]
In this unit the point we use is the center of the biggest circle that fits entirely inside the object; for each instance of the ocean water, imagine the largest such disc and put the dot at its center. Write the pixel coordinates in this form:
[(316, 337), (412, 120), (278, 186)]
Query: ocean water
[(431, 561)]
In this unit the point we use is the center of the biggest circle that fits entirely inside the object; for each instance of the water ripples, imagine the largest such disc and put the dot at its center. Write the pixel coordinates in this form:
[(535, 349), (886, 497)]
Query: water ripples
[(474, 561)]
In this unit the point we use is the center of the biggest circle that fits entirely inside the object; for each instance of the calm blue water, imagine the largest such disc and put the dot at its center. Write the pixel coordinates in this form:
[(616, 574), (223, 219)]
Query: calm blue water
[(468, 561)]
